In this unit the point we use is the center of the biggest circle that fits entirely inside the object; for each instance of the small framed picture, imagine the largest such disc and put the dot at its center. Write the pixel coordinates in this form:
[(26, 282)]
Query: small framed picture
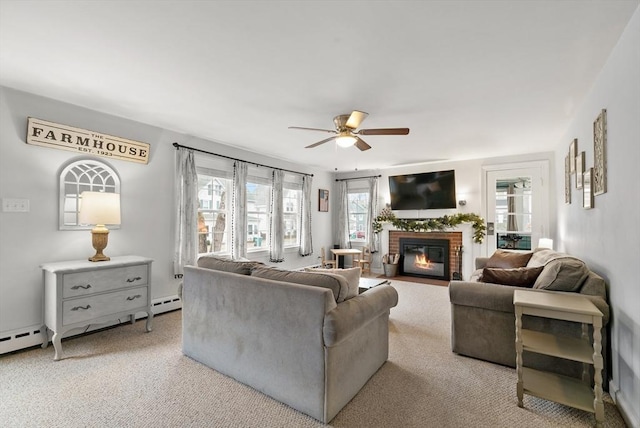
[(323, 200), (579, 170), (600, 154), (573, 151), (587, 189), (567, 180)]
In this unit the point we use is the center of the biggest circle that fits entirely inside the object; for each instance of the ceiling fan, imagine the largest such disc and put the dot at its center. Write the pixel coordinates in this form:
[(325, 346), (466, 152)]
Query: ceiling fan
[(346, 134)]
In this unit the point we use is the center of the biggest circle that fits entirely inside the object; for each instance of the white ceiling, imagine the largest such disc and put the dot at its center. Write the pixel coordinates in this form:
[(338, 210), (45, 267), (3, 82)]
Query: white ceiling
[(471, 79)]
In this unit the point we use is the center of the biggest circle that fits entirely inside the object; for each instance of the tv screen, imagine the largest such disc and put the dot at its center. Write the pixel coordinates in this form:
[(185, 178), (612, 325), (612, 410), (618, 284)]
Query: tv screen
[(424, 191)]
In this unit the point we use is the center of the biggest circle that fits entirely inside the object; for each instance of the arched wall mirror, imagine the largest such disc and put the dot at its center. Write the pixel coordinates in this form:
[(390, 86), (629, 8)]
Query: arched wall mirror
[(78, 176)]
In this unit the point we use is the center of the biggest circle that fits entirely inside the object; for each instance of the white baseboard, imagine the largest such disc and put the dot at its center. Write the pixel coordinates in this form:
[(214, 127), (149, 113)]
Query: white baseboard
[(626, 409), (28, 337)]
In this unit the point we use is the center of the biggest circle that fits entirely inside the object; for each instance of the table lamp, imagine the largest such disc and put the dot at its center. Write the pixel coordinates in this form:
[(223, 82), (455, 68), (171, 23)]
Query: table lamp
[(545, 243), (99, 209)]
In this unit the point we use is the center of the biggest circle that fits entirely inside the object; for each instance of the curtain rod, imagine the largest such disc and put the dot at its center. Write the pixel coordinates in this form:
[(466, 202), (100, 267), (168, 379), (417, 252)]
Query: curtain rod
[(177, 146), (358, 178)]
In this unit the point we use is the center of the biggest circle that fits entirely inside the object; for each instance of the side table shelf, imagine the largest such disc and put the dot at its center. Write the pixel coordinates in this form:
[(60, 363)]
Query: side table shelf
[(80, 293), (561, 389)]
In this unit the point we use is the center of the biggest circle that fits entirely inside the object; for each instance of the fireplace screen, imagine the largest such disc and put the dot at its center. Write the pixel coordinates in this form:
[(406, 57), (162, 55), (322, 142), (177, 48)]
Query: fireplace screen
[(425, 257)]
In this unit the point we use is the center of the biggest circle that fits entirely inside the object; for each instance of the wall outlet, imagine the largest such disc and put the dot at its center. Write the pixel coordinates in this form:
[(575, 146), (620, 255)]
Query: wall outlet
[(12, 205)]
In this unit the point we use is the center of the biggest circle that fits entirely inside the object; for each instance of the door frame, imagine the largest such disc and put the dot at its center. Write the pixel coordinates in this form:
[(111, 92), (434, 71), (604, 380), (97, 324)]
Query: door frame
[(539, 170)]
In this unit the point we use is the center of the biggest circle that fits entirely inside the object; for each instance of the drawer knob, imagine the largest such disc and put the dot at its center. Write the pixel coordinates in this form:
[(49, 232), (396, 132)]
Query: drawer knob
[(137, 296), (84, 287), (137, 278), (77, 308)]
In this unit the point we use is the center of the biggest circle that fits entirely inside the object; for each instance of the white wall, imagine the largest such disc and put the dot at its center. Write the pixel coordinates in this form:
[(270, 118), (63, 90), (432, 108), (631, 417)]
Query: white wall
[(31, 172), (608, 236)]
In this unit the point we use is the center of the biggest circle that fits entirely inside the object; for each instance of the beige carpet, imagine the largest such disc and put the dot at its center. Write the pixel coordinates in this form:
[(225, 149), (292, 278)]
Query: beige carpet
[(123, 377)]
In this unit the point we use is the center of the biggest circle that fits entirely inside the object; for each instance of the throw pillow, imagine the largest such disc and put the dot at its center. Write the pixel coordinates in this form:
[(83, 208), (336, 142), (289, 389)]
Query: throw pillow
[(517, 277), (352, 276), (563, 274), (242, 267), (508, 259), (336, 283)]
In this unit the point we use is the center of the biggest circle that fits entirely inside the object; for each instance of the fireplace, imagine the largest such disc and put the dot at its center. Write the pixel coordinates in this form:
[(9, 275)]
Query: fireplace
[(428, 258)]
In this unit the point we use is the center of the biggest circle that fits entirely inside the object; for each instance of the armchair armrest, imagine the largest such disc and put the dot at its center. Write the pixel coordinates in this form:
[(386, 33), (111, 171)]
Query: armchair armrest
[(352, 314)]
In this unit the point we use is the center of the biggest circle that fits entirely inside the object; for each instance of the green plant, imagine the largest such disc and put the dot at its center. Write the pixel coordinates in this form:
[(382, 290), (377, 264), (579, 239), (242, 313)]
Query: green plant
[(431, 224)]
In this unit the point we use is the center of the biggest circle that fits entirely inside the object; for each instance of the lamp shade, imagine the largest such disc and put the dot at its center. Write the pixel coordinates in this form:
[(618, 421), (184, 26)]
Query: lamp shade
[(545, 243), (345, 140), (99, 208)]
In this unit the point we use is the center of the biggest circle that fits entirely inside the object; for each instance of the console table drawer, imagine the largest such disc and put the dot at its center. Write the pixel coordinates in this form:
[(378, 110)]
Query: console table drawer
[(84, 309), (89, 282)]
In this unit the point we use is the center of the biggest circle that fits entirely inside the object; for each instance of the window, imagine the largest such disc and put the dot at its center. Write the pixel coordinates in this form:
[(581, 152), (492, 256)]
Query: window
[(215, 189), (214, 195), (81, 176), (357, 209)]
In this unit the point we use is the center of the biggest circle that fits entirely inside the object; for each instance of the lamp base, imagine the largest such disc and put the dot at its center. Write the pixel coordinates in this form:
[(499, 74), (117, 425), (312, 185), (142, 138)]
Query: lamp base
[(99, 239)]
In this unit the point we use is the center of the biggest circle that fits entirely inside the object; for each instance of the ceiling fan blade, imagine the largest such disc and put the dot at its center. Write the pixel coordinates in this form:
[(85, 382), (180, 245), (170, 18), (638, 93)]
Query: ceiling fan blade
[(320, 142), (361, 144), (384, 131), (331, 131), (356, 119)]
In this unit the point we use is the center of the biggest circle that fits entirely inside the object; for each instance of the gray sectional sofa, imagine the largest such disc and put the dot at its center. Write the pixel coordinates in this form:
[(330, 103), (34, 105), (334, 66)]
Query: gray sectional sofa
[(303, 338), (483, 317)]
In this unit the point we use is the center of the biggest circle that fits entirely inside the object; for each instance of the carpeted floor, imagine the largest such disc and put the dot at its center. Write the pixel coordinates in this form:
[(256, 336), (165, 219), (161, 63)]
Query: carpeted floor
[(124, 377)]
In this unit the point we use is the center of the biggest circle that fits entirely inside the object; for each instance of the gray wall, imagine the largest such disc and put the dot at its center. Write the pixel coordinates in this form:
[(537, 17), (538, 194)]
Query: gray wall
[(608, 236), (31, 172)]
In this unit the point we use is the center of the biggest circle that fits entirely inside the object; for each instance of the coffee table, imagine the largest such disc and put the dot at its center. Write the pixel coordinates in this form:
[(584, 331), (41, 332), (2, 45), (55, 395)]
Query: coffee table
[(367, 283)]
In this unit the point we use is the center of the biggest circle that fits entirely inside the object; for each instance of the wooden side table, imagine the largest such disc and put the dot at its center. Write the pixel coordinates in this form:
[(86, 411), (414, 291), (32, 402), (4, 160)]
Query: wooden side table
[(80, 293), (561, 389)]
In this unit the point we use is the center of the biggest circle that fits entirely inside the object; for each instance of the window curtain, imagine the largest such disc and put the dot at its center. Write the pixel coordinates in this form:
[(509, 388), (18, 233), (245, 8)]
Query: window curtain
[(373, 238), (239, 211), (512, 222), (186, 210), (306, 245), (276, 235), (342, 237)]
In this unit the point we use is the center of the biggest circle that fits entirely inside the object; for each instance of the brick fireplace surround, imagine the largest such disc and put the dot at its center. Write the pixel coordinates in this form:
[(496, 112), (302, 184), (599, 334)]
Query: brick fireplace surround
[(455, 240)]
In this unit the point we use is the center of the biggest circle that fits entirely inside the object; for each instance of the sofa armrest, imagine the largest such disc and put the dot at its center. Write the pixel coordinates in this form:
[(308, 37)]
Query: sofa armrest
[(350, 315), (484, 295)]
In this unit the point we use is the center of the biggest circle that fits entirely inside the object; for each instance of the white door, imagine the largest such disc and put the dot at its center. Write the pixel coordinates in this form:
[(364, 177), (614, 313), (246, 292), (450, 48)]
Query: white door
[(517, 204)]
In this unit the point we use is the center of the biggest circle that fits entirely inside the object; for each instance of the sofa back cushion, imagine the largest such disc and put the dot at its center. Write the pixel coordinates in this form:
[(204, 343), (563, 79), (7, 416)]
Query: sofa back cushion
[(562, 274), (517, 277), (336, 283), (352, 276), (508, 259), (242, 267)]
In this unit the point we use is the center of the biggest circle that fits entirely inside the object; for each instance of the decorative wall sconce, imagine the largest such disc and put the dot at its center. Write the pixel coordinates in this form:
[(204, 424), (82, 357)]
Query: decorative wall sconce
[(99, 209)]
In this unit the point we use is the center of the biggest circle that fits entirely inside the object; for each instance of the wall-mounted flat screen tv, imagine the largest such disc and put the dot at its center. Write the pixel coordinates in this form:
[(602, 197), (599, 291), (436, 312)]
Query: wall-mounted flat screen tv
[(423, 191)]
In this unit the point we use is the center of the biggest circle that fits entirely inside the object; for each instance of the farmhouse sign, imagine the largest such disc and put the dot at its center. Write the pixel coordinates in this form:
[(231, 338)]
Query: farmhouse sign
[(63, 137)]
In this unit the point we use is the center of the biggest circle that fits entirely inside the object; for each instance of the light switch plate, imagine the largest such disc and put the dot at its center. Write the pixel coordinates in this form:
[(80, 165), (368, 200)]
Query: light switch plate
[(13, 205)]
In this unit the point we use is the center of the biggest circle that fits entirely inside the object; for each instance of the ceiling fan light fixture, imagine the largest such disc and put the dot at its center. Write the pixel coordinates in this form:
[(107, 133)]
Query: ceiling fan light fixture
[(346, 140)]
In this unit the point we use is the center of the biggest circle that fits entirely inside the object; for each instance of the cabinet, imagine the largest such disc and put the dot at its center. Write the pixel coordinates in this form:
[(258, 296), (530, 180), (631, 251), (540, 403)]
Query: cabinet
[(561, 389), (80, 293)]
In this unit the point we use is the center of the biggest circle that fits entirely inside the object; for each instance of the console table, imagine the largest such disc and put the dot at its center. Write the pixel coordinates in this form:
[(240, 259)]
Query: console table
[(561, 389), (80, 293)]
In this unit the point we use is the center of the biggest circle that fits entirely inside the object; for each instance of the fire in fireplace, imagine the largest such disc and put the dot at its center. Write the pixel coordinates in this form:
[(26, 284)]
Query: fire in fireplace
[(427, 258)]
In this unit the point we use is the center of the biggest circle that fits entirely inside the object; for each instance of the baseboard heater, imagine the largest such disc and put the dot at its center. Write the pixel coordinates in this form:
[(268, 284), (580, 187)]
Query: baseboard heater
[(28, 337)]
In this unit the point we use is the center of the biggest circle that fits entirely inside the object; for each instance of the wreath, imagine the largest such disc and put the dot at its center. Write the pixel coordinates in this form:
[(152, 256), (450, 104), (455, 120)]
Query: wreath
[(431, 224)]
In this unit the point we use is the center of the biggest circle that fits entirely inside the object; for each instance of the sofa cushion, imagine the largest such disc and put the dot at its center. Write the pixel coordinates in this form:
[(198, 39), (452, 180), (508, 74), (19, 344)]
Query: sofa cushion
[(541, 256), (508, 259), (336, 283), (562, 274), (352, 276), (243, 266), (518, 277)]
